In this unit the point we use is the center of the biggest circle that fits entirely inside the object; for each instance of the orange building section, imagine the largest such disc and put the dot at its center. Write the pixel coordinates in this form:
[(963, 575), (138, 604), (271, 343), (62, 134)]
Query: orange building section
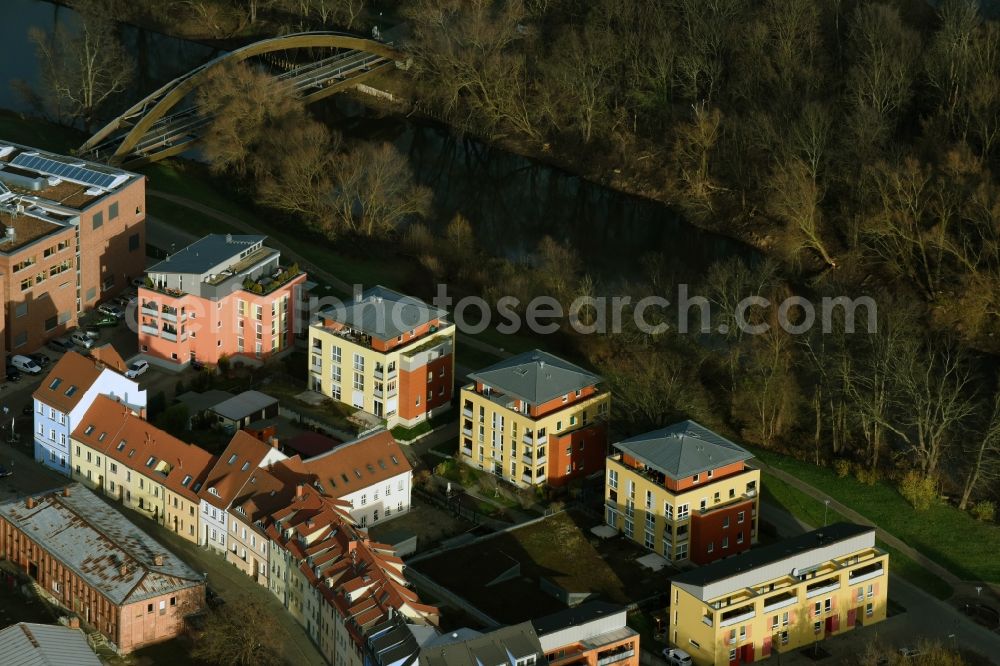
[(577, 454), (426, 388), (592, 634), (722, 532)]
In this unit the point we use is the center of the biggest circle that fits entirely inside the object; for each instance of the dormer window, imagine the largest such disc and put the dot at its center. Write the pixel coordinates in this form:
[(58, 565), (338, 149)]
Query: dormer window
[(214, 491), (395, 461), (70, 391), (89, 430), (121, 445), (55, 383), (151, 461), (245, 467), (186, 481), (100, 438), (232, 459)]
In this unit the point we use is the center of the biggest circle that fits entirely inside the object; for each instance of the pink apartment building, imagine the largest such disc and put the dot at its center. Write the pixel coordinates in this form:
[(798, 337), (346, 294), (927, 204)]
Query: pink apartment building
[(222, 295)]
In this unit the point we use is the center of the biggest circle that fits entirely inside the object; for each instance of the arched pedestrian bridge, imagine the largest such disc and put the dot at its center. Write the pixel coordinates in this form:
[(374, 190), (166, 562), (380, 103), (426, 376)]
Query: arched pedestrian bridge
[(167, 122)]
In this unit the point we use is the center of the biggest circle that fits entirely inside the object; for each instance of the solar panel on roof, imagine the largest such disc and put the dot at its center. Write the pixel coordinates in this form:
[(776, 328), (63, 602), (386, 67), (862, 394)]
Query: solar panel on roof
[(75, 172)]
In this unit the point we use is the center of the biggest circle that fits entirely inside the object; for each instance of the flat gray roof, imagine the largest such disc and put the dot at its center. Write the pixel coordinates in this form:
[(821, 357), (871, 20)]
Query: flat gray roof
[(501, 646), (200, 402), (206, 253), (535, 376), (94, 540), (683, 449), (243, 405), (31, 644), (384, 313)]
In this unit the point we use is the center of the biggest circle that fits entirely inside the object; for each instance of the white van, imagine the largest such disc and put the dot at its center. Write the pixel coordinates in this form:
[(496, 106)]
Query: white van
[(677, 657), (25, 364), (82, 339)]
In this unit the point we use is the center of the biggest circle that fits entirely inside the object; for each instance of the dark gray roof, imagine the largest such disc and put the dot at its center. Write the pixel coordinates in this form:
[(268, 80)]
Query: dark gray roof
[(30, 644), (200, 402), (574, 616), (761, 556), (243, 405), (683, 449), (94, 540), (384, 313), (535, 376), (500, 646), (391, 643), (205, 253)]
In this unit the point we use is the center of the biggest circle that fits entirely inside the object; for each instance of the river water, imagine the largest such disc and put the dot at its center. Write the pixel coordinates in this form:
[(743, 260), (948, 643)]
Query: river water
[(512, 202)]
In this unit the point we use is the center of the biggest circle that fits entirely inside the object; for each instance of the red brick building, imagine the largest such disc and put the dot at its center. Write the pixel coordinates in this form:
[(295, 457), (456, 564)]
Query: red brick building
[(72, 234), (91, 560)]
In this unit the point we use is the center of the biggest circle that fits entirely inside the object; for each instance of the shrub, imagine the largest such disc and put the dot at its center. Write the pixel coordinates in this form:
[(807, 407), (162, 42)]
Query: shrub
[(984, 510), (842, 468), (224, 365), (868, 477), (919, 490)]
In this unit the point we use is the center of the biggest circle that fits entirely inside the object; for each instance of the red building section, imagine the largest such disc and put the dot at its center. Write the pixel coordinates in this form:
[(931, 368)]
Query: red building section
[(576, 454), (719, 533)]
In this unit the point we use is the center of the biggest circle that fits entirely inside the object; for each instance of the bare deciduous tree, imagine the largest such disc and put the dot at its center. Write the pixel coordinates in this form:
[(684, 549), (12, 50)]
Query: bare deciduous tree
[(240, 634)]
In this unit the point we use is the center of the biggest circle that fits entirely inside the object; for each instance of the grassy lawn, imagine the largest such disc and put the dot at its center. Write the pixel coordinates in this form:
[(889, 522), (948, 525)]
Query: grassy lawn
[(932, 532), (810, 510), (39, 133), (184, 218), (404, 434)]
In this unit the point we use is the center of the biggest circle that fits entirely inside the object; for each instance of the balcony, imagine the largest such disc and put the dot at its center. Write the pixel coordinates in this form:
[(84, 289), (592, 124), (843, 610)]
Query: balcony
[(817, 590), (780, 601), (379, 372), (526, 478), (707, 620), (528, 438), (378, 393), (737, 618), (169, 335), (169, 314), (268, 283), (543, 439), (149, 330), (467, 432), (151, 310), (621, 655), (866, 573)]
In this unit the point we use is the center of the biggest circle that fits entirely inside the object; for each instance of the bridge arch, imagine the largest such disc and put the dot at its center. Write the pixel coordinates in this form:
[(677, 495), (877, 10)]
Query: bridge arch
[(156, 105)]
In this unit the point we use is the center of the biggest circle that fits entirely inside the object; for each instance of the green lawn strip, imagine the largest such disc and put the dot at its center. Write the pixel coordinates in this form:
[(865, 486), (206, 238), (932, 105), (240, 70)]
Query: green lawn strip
[(932, 532), (182, 217), (810, 510), (39, 133), (404, 434)]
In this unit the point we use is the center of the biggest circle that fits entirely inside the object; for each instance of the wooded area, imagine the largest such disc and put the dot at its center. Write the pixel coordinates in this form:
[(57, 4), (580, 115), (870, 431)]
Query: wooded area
[(855, 143)]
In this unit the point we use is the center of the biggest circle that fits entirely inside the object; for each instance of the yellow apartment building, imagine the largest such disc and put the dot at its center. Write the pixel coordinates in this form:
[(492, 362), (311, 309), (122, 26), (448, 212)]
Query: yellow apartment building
[(683, 492), (780, 597), (535, 419), (140, 466), (385, 353)]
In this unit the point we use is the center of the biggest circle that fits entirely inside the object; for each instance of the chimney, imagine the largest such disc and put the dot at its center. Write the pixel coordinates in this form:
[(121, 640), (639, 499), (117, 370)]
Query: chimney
[(274, 442), (123, 569), (352, 545), (229, 238), (158, 560), (65, 492), (299, 489), (30, 503), (73, 622)]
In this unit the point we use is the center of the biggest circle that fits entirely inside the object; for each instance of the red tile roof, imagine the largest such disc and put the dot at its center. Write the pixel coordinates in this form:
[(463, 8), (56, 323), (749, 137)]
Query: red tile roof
[(67, 381), (108, 426), (233, 469), (358, 464)]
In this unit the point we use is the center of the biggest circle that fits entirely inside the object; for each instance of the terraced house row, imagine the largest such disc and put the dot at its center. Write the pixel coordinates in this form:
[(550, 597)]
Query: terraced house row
[(291, 525)]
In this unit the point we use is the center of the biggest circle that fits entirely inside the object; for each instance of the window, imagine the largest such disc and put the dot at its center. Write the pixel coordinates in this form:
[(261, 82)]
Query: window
[(98, 222), (668, 511), (682, 512), (335, 354), (133, 242), (871, 591), (817, 608), (613, 478), (817, 627), (711, 547), (725, 542), (828, 605), (695, 478), (869, 610), (725, 522), (113, 211), (740, 516)]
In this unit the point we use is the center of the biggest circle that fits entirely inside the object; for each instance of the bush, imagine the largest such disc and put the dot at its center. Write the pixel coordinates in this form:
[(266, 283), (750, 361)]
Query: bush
[(842, 468), (984, 510), (224, 365), (868, 477), (919, 490)]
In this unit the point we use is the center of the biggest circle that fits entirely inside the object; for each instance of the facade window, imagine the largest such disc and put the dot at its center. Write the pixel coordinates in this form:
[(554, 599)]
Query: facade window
[(133, 242), (740, 516), (98, 223), (113, 211), (613, 478), (335, 354)]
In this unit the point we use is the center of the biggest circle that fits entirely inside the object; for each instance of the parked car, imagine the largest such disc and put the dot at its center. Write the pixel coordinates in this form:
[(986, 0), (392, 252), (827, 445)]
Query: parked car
[(111, 309), (13, 374), (122, 300), (91, 333), (28, 410), (107, 321), (60, 344), (138, 282), (5, 471), (81, 338), (137, 369), (41, 359), (676, 657), (25, 364)]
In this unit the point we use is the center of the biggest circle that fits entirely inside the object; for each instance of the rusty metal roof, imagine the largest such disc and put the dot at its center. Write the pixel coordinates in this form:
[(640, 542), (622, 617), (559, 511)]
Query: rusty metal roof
[(106, 550)]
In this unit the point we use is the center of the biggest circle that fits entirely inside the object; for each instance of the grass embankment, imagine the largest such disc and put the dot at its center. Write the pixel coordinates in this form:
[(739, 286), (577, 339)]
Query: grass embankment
[(972, 556), (810, 510)]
